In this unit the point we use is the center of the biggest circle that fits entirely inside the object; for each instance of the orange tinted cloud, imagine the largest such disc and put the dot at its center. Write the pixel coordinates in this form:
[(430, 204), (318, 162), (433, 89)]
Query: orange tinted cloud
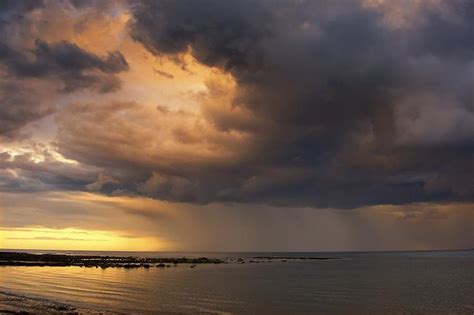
[(283, 108)]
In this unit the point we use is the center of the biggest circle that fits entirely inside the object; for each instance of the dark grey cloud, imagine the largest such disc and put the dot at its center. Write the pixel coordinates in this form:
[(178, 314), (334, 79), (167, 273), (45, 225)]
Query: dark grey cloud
[(23, 174), (164, 74), (225, 37), (13, 7), (447, 36), (73, 67), (350, 110), (14, 21), (20, 104)]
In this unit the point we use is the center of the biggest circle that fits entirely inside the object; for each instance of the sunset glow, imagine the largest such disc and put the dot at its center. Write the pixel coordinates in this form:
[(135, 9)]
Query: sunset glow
[(64, 239)]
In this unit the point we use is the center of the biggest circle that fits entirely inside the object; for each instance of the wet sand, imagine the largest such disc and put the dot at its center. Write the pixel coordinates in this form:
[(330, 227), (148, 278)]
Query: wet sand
[(16, 304)]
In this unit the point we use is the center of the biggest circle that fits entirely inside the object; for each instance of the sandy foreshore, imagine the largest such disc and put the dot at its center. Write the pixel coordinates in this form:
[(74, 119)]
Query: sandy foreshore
[(11, 303)]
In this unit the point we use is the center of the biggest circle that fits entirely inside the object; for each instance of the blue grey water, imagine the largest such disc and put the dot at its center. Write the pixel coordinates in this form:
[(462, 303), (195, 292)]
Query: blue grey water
[(438, 282)]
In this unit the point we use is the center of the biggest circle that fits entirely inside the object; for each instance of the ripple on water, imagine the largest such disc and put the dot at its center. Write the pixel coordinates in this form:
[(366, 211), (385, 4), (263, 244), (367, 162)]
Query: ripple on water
[(384, 284)]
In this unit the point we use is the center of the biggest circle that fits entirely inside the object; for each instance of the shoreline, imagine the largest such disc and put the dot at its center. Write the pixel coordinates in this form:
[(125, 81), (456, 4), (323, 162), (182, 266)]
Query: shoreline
[(13, 303)]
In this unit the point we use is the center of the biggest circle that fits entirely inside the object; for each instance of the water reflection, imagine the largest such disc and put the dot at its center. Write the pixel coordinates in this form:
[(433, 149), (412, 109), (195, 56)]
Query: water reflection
[(360, 283)]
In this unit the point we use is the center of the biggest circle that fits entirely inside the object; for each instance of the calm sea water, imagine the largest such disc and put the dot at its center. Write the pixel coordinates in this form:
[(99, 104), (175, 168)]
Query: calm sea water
[(360, 283)]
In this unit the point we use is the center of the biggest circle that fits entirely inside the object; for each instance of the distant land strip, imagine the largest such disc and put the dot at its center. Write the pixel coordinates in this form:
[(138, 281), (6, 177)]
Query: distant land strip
[(63, 260), (57, 260)]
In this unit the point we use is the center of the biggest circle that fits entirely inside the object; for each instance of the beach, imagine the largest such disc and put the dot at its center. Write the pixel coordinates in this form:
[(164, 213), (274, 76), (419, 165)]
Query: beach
[(16, 304)]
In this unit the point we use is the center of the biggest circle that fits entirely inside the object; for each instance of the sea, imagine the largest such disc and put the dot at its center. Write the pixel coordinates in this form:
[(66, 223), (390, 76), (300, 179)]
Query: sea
[(427, 282)]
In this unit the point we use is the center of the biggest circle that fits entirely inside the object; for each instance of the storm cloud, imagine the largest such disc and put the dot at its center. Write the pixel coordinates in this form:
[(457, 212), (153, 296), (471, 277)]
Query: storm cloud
[(336, 104), (346, 109), (73, 67)]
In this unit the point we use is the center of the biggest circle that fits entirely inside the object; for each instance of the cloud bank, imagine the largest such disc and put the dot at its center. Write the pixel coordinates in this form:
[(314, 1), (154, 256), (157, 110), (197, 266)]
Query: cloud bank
[(279, 104)]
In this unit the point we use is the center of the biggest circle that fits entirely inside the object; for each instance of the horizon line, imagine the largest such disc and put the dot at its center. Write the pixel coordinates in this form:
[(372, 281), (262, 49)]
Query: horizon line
[(334, 251)]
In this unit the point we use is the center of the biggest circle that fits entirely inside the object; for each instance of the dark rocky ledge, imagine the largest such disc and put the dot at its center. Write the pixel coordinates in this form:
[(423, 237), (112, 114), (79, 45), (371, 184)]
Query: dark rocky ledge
[(57, 260)]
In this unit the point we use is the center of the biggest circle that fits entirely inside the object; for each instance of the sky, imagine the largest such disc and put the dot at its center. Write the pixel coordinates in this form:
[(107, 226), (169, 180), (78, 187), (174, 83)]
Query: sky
[(286, 125)]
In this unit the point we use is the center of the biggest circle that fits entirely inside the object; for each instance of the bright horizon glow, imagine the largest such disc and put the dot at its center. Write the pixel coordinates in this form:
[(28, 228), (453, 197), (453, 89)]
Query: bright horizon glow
[(75, 239)]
